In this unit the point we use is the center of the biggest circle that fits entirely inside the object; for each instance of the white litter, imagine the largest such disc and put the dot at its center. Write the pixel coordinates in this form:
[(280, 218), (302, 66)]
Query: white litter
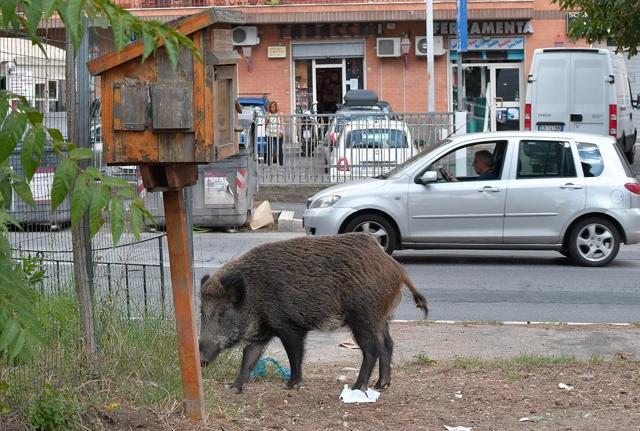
[(565, 387), (459, 428), (458, 395), (357, 396)]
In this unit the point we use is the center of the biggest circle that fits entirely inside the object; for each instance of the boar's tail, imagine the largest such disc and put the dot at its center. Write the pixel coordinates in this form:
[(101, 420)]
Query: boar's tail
[(421, 301)]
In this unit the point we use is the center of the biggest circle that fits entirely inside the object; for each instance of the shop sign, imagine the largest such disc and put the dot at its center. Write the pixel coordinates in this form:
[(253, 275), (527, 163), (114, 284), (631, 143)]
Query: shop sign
[(490, 43), (324, 31), (277, 52), (485, 28)]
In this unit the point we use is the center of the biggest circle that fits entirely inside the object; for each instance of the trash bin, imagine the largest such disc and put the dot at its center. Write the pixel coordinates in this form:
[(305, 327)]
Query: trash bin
[(40, 187), (223, 195)]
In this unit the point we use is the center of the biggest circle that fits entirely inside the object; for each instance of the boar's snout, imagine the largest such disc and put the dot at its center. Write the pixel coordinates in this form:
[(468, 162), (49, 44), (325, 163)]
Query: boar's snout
[(208, 352)]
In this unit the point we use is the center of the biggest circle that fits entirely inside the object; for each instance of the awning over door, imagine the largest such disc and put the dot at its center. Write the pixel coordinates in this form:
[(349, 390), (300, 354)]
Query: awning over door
[(301, 51)]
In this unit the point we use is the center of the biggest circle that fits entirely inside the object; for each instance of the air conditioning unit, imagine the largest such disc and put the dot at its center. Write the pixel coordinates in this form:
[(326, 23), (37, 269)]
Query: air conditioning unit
[(388, 46), (421, 45), (245, 35)]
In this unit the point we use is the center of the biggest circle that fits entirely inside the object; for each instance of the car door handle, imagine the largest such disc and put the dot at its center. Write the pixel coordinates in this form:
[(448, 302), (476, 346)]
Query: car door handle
[(571, 186), (489, 189)]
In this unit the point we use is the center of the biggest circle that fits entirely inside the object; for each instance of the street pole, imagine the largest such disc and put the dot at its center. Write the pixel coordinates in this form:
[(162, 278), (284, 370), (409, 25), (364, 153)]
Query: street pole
[(430, 84)]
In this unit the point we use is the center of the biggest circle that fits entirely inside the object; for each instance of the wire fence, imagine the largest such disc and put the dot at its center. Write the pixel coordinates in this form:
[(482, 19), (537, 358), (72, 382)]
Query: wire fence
[(131, 278)]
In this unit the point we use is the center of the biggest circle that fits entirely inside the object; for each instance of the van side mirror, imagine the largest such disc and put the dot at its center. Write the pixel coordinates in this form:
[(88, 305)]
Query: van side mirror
[(530, 78), (636, 103), (427, 177)]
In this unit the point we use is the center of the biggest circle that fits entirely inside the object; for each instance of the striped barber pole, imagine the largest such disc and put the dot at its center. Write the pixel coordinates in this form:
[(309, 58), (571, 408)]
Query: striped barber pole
[(241, 184)]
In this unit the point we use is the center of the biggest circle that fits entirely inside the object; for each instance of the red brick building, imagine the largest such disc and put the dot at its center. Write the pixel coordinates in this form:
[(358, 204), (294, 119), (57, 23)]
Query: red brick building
[(305, 52)]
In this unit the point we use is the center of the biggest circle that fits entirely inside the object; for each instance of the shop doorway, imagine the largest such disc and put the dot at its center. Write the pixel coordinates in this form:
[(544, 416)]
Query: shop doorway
[(329, 86), (492, 95)]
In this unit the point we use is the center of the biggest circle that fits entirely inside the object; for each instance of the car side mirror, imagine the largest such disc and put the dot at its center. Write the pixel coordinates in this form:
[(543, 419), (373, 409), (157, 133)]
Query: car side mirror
[(636, 103), (427, 177)]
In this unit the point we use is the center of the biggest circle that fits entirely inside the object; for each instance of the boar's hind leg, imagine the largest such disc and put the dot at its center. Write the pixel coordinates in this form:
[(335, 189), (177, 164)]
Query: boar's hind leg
[(250, 356), (386, 351), (293, 342), (369, 343)]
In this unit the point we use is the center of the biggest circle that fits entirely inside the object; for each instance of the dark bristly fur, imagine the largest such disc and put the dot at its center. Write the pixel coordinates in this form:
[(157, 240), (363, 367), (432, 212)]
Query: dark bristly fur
[(287, 288)]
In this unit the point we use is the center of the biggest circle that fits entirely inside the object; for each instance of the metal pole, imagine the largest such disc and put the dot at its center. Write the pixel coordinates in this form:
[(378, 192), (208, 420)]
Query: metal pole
[(182, 286), (431, 106), (459, 72)]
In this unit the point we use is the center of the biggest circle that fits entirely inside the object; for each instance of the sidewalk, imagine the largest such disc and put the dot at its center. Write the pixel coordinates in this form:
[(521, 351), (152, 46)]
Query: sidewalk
[(447, 341)]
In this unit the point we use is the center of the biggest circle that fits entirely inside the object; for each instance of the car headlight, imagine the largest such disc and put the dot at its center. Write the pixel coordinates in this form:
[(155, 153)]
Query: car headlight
[(325, 201)]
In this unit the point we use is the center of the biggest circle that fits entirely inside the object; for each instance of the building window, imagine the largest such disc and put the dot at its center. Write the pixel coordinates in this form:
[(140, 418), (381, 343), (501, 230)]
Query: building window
[(49, 96)]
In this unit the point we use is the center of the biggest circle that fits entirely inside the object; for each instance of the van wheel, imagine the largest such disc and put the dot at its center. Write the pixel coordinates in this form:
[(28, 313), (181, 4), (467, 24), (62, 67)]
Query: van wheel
[(594, 242), (376, 226), (631, 154)]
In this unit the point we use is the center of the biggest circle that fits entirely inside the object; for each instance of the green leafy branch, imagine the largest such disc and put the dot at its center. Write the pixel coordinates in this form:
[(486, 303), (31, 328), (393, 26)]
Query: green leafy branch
[(600, 20), (102, 12)]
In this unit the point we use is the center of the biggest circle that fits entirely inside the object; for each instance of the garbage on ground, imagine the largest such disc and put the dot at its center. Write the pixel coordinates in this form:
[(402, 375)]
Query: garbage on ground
[(458, 428), (587, 376), (349, 344), (458, 394), (565, 387), (260, 369), (349, 395), (531, 419), (260, 216)]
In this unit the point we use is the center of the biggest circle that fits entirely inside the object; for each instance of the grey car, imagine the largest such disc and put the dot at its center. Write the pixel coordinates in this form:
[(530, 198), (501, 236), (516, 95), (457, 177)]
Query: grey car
[(569, 192)]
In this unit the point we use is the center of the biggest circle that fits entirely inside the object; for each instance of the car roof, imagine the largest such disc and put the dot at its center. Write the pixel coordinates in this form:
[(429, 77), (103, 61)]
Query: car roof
[(531, 134)]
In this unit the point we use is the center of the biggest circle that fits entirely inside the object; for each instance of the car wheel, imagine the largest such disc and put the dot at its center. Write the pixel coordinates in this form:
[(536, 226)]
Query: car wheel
[(594, 242), (376, 226)]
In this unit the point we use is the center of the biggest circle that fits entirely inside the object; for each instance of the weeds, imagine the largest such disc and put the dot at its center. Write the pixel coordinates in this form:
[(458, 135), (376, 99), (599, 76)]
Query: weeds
[(421, 359)]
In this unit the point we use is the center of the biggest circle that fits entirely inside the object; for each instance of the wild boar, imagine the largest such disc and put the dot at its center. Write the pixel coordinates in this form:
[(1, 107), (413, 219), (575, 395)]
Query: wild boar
[(286, 289)]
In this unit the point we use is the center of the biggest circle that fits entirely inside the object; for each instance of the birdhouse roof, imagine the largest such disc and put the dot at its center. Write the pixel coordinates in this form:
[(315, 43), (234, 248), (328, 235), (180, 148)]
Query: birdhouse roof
[(185, 25)]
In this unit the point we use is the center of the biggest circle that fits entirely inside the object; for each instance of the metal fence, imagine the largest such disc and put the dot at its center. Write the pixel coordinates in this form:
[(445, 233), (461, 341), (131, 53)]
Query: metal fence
[(132, 277), (331, 148)]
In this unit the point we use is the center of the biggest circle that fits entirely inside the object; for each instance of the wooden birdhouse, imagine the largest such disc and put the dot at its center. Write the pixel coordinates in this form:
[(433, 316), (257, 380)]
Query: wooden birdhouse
[(168, 121)]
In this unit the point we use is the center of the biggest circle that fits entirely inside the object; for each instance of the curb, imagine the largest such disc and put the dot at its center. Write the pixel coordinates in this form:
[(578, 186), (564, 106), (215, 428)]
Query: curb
[(286, 221)]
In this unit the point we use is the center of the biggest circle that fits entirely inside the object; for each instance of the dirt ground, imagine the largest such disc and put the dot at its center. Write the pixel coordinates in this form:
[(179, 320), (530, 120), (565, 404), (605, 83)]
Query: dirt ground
[(604, 396)]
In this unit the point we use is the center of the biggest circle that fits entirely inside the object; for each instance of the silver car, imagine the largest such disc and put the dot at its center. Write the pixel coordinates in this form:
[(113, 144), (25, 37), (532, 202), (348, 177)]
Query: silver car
[(569, 192)]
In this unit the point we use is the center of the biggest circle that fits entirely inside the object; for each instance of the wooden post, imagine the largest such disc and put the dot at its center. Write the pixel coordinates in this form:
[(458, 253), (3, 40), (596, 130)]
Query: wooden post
[(182, 286)]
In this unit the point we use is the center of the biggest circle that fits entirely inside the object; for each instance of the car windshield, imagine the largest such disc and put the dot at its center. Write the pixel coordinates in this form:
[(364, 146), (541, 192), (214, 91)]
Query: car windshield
[(376, 138), (416, 159)]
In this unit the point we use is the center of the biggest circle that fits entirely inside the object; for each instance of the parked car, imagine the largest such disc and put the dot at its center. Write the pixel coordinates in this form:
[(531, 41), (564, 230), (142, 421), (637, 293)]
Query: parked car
[(569, 192), (581, 90), (368, 148)]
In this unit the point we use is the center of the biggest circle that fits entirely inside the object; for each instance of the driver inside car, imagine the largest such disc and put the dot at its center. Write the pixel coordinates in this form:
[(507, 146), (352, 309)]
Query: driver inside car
[(482, 161)]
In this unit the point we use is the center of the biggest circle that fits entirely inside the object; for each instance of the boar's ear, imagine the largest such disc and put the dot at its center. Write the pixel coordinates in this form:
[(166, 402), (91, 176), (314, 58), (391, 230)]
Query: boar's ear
[(203, 280), (233, 284)]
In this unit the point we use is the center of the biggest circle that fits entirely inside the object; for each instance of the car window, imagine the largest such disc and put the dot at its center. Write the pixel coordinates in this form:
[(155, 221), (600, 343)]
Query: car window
[(623, 160), (545, 159), (590, 159), (376, 138), (460, 161)]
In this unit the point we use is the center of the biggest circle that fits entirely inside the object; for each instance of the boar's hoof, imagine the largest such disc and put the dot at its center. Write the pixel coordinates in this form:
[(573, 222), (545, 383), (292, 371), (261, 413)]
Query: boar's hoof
[(235, 389), (293, 385), (381, 385)]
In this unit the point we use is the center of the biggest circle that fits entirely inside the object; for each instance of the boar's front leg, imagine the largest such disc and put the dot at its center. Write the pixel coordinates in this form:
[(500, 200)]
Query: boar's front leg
[(293, 341), (250, 356)]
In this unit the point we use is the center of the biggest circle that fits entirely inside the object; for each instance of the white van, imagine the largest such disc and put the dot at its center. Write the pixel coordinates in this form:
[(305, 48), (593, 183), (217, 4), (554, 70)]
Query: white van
[(581, 90)]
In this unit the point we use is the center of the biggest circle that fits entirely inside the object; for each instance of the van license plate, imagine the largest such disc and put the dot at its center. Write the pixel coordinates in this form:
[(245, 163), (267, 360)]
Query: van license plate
[(550, 127)]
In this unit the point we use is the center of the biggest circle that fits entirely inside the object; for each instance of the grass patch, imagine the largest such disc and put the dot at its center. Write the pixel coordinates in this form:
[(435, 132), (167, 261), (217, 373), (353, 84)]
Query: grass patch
[(137, 365), (422, 360), (524, 360)]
